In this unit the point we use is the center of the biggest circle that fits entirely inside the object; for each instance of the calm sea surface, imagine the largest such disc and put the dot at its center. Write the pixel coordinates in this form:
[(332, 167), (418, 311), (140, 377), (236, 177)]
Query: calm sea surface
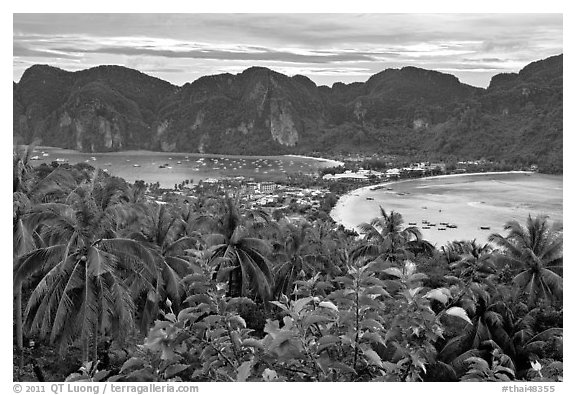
[(145, 165), (468, 201)]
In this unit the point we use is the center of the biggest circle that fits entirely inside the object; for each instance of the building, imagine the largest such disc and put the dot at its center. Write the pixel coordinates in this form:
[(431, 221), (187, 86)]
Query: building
[(393, 173), (267, 187)]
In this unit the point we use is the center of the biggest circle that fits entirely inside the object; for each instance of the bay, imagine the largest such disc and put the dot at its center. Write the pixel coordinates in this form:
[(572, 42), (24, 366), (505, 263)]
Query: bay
[(169, 168), (470, 202)]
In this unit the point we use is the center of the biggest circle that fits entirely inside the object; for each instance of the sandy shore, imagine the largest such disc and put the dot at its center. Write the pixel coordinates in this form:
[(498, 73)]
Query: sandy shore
[(331, 161), (341, 206)]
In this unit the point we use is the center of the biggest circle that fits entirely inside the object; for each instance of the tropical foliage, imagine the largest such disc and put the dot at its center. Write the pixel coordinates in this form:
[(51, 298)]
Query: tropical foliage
[(210, 290)]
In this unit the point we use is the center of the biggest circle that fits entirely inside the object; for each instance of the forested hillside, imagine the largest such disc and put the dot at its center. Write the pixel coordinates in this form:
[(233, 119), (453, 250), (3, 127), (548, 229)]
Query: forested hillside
[(408, 111)]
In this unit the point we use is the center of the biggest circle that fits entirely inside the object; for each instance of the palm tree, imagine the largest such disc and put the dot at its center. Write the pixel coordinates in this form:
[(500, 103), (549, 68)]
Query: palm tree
[(529, 342), (491, 319), (475, 263), (292, 255), (236, 253), (28, 190), (386, 236), (89, 275), (534, 251), (163, 233)]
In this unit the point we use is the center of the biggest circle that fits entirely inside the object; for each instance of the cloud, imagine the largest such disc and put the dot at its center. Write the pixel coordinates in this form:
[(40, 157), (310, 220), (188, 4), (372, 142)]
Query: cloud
[(324, 47), (264, 54), (20, 51)]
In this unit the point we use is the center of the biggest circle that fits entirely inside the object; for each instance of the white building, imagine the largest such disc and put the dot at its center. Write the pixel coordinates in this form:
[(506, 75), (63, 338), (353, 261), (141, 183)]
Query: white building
[(267, 187)]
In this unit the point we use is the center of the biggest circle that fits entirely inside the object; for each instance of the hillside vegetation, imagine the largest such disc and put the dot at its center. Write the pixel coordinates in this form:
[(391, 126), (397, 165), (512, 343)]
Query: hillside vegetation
[(408, 111)]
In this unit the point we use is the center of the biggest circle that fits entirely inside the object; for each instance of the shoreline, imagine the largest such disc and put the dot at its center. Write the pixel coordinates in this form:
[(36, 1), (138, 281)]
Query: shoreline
[(196, 154), (338, 209), (331, 161)]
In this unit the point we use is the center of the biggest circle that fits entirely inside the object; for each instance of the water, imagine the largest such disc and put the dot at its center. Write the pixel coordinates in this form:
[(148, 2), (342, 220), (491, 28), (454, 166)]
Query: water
[(468, 201), (177, 167)]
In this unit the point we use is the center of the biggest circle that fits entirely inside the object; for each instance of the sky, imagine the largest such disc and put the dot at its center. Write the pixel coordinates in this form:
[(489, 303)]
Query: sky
[(327, 48)]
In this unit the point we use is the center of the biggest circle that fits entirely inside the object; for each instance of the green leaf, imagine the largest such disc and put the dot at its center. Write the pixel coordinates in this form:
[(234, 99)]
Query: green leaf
[(373, 357), (373, 337), (269, 375), (329, 305), (252, 343), (371, 323), (300, 303), (459, 312), (244, 371), (394, 271), (440, 294), (279, 304), (132, 363), (327, 341), (342, 367), (99, 376), (173, 370), (315, 319), (376, 290), (238, 320)]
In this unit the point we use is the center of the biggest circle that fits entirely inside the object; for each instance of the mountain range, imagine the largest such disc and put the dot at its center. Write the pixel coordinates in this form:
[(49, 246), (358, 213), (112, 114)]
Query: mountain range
[(409, 111)]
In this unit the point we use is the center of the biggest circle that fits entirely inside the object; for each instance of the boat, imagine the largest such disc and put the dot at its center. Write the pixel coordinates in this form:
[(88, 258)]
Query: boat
[(136, 165), (485, 227), (412, 223), (44, 154), (369, 198), (92, 158), (441, 228), (61, 160), (35, 157), (425, 227), (178, 163), (431, 224), (452, 226)]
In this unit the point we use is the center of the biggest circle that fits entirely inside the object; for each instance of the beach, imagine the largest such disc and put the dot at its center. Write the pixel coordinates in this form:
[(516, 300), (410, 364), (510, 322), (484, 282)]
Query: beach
[(468, 201)]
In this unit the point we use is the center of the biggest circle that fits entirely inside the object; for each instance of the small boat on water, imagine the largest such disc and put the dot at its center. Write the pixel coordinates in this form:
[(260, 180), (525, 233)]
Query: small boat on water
[(178, 163), (485, 227), (425, 227), (45, 154), (412, 223), (92, 158), (164, 166), (431, 224), (61, 160), (35, 157), (441, 228), (452, 226), (369, 198), (136, 165)]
